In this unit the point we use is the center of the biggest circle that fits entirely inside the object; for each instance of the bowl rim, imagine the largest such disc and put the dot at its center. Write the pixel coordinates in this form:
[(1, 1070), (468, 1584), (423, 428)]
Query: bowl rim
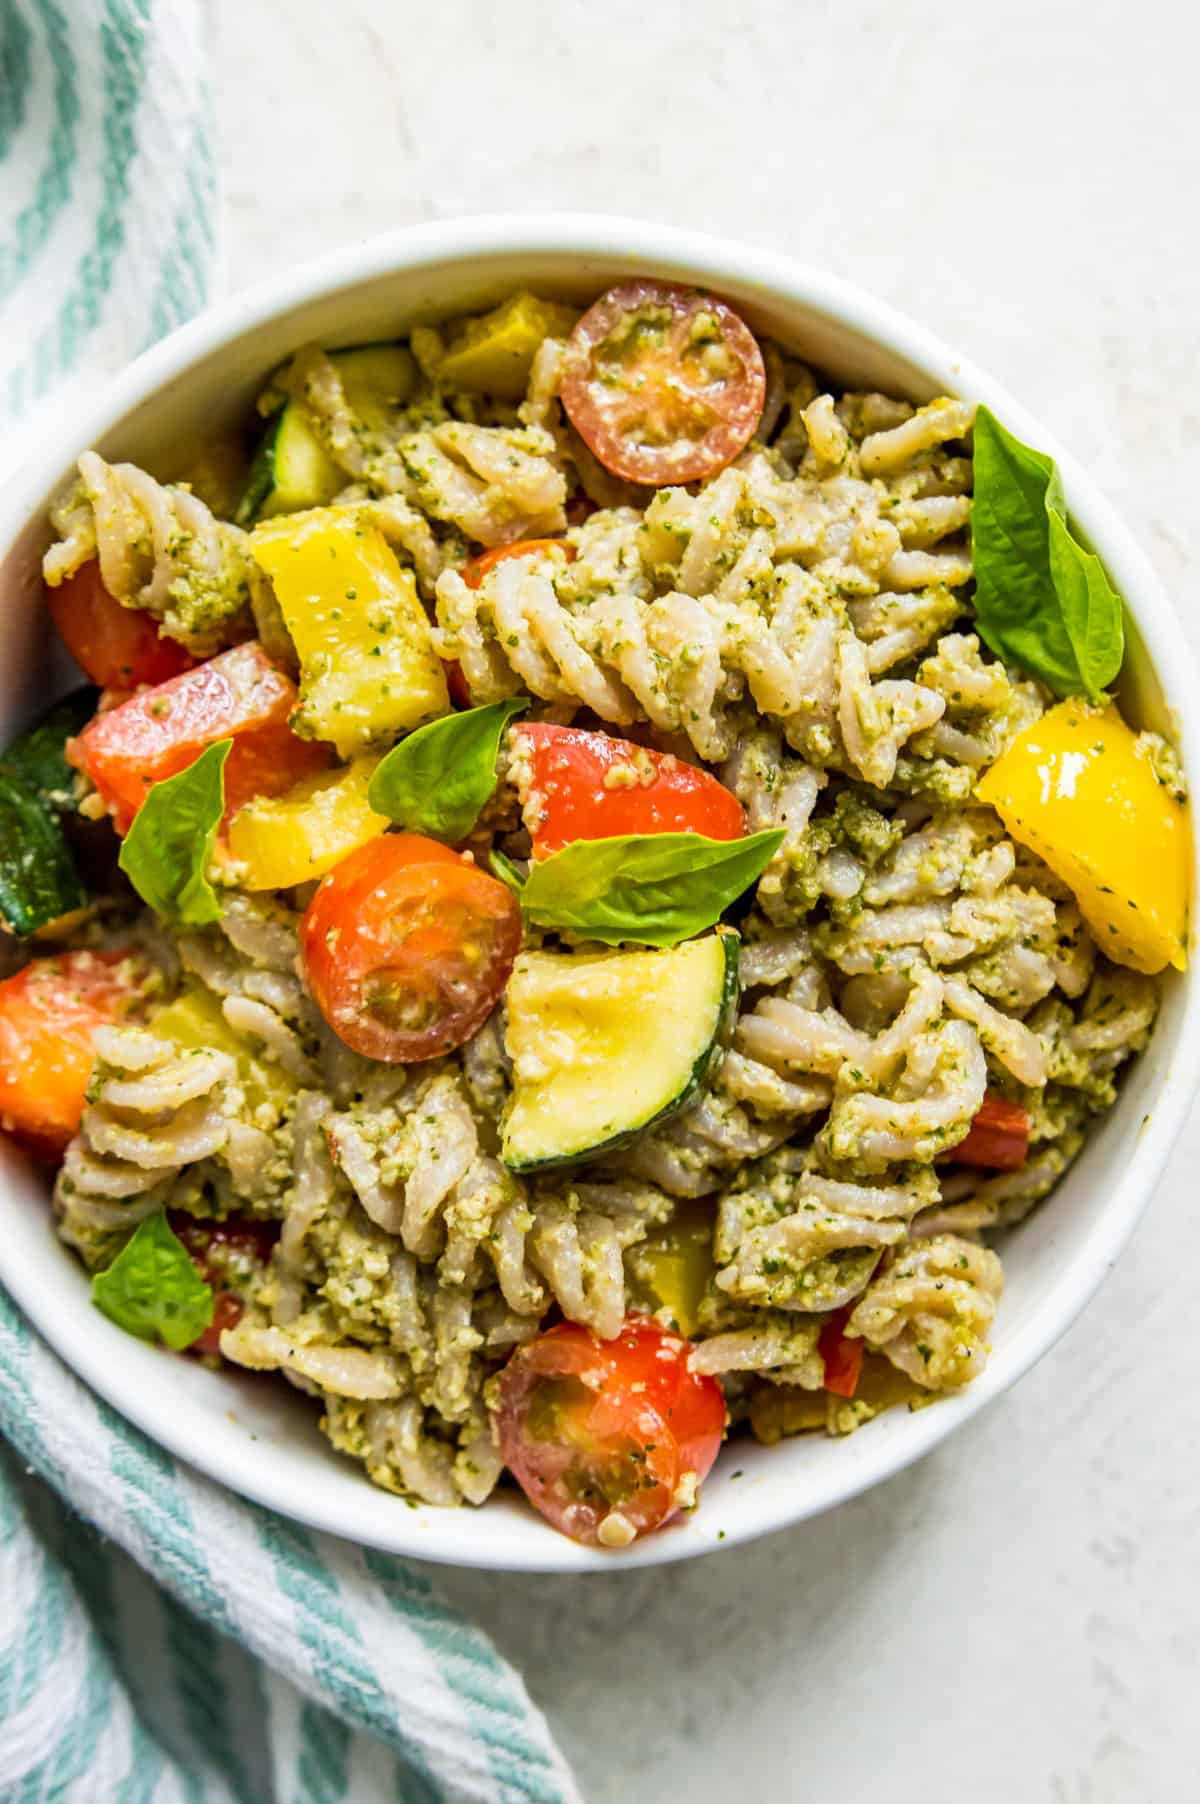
[(711, 260)]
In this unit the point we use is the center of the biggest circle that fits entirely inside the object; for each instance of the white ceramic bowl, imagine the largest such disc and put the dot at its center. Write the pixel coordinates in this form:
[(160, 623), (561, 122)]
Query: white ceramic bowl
[(254, 1436)]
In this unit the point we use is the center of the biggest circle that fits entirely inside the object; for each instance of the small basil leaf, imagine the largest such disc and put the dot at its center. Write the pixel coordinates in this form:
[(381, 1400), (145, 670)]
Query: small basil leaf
[(1041, 601), (153, 1290), (438, 779), (165, 854), (1090, 605), (653, 888)]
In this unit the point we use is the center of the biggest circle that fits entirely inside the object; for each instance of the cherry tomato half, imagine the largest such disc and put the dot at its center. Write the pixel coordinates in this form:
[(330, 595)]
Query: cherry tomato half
[(239, 695), (999, 1136), (225, 1253), (118, 648), (407, 947), (49, 1011), (477, 569), (843, 1357), (583, 785), (608, 1439), (662, 383)]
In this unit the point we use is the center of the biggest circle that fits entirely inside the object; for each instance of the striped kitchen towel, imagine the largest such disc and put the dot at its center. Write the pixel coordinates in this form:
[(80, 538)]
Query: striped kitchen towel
[(161, 1640)]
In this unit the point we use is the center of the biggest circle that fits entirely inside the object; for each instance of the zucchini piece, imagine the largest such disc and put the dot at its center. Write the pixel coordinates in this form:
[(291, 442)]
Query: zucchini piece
[(292, 469), (376, 380), (38, 879), (493, 354), (605, 1044), (39, 759)]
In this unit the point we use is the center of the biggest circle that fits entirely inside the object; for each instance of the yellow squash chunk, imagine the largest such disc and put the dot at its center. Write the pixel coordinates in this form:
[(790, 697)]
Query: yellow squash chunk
[(368, 670), (194, 1020), (278, 841), (1079, 790), (493, 354)]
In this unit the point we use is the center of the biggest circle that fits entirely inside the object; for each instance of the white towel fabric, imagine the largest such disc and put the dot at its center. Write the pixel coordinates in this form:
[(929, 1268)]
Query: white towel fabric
[(225, 1656)]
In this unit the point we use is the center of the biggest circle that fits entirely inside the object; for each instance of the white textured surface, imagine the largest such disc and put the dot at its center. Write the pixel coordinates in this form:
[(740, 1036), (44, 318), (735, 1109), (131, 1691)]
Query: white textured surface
[(1018, 1619)]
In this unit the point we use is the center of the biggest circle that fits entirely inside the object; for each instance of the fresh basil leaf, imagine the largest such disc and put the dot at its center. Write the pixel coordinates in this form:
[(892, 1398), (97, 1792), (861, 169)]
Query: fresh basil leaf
[(652, 888), (166, 851), (1090, 605), (1041, 601), (438, 779), (153, 1290)]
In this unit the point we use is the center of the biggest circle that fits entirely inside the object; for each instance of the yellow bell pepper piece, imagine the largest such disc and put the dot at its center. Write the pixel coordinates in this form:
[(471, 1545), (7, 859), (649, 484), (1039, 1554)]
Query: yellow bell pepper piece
[(672, 1267), (194, 1020), (277, 841), (368, 669), (1078, 790), (494, 353)]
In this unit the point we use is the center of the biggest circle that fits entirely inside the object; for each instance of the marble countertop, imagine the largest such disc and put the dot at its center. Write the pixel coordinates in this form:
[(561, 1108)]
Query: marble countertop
[(1017, 1619)]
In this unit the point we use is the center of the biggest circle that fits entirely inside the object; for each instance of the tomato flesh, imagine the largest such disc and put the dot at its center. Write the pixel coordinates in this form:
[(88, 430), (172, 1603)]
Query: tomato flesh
[(583, 785), (238, 695), (998, 1139), (477, 569), (843, 1357), (222, 1252), (608, 1439), (49, 1011), (407, 947), (118, 648), (663, 384)]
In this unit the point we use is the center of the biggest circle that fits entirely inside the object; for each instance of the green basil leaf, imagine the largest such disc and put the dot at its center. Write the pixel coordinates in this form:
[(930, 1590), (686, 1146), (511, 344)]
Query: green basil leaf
[(166, 851), (438, 779), (1041, 600), (153, 1290), (652, 888), (1090, 605)]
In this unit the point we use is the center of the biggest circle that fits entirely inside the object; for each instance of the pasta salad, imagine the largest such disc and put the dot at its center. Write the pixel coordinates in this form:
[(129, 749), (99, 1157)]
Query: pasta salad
[(593, 872)]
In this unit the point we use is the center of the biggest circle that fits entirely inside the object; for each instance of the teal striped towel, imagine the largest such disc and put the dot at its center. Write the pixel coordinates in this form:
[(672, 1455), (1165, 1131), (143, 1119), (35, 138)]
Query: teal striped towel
[(160, 1640)]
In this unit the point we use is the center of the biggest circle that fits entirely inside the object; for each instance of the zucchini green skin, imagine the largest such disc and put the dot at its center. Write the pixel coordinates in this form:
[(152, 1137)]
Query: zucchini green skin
[(261, 479), (38, 758), (38, 879), (377, 376), (702, 1069)]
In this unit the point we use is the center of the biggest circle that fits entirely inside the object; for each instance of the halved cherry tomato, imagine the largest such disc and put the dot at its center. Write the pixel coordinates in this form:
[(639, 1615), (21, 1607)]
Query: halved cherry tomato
[(118, 648), (407, 947), (477, 569), (662, 383), (999, 1136), (228, 1311), (48, 1013), (240, 695), (608, 1439), (222, 1252), (843, 1357), (579, 785)]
